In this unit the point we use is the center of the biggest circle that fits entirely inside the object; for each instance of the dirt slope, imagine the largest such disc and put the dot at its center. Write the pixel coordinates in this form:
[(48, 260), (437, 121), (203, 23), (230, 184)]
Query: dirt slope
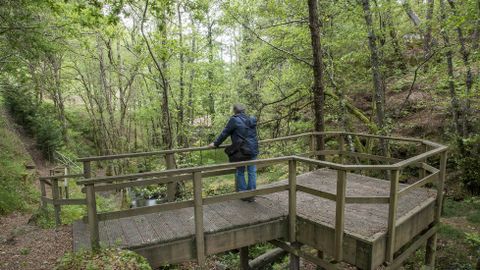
[(23, 245)]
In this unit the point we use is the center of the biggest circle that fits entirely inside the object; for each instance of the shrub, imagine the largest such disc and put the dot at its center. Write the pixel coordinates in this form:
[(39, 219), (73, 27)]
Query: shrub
[(105, 258), (468, 151)]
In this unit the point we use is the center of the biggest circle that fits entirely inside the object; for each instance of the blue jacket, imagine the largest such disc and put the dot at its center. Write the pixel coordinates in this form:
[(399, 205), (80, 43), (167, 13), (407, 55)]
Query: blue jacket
[(240, 125)]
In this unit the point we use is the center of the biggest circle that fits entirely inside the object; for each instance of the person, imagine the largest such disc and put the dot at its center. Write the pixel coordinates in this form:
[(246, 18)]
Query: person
[(242, 127)]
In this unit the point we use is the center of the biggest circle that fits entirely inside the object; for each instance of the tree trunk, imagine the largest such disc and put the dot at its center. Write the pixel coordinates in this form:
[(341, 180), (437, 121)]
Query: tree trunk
[(456, 111), (180, 125), (427, 40), (469, 76), (318, 87), (379, 87), (476, 33)]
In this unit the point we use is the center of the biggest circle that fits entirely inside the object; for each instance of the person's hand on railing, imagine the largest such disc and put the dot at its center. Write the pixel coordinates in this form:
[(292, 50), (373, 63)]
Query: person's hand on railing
[(211, 145)]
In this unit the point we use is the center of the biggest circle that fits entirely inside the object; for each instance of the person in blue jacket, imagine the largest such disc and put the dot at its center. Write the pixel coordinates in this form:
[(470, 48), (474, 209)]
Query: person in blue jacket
[(241, 125)]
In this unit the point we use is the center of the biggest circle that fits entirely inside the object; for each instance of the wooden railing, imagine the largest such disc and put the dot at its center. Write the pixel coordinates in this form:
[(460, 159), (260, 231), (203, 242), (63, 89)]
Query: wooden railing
[(394, 166)]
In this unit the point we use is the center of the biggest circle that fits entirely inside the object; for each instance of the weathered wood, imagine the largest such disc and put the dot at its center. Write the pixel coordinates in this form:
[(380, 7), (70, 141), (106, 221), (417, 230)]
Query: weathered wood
[(299, 253), (392, 215), (317, 193), (412, 248), (145, 182), (206, 168), (171, 186), (267, 258), (418, 158), (294, 257), (292, 200), (367, 200), (321, 256), (92, 217), (70, 202), (340, 214), (56, 197), (431, 248), (62, 176), (244, 258), (43, 192), (244, 194), (198, 209), (370, 156), (427, 179)]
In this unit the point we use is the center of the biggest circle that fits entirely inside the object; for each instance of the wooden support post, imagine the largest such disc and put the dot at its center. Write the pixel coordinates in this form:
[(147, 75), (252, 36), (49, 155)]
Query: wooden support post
[(292, 200), (431, 248), (198, 209), (171, 187), (321, 256), (43, 191), (295, 259), (392, 215), (56, 197), (422, 172), (341, 147), (340, 214), (87, 170), (244, 258), (92, 216)]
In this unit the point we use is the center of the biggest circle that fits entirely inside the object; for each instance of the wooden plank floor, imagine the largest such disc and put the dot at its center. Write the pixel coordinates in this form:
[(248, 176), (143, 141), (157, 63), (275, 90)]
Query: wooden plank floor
[(365, 221)]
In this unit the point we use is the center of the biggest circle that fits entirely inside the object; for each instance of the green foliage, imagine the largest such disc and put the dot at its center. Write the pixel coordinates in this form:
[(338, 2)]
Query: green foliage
[(105, 258), (17, 191), (38, 119), (466, 158)]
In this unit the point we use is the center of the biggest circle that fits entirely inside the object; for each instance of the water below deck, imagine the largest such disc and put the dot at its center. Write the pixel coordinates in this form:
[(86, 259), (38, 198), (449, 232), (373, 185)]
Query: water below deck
[(365, 224)]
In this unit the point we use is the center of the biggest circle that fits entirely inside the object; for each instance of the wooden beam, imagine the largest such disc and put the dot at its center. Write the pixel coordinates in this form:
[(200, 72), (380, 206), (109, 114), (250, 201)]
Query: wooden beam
[(318, 193), (292, 200), (171, 186), (367, 200), (70, 202), (412, 248), (267, 258), (340, 214), (198, 210), (56, 197), (306, 256), (392, 215), (244, 194), (427, 179), (244, 258), (294, 258), (92, 217), (206, 168)]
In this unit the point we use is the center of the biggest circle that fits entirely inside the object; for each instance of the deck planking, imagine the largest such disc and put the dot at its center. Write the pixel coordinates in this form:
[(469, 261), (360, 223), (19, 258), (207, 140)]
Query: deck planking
[(364, 222)]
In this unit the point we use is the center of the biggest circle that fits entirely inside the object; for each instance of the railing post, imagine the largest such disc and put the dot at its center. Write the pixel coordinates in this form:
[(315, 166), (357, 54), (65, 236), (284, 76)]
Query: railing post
[(92, 216), (340, 214), (423, 173), (392, 215), (91, 207), (43, 191), (292, 200), (56, 197), (198, 209), (171, 187), (431, 248)]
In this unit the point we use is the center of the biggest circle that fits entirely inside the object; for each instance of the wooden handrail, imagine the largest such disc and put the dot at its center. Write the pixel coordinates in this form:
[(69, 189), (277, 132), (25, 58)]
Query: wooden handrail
[(182, 150), (173, 172)]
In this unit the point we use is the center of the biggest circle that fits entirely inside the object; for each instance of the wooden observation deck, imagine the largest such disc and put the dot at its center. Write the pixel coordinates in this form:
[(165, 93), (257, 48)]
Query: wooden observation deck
[(331, 207)]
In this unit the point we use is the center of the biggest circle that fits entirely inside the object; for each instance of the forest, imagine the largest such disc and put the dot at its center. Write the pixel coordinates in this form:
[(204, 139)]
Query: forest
[(103, 77)]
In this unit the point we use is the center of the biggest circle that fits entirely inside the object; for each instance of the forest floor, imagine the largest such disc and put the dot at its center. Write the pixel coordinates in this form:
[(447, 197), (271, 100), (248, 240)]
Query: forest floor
[(24, 245)]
